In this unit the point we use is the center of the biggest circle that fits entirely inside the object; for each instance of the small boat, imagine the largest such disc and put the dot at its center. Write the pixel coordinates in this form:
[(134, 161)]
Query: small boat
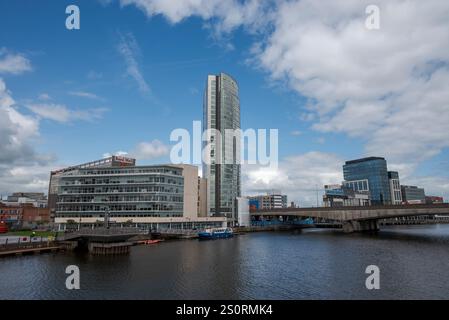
[(149, 241), (216, 233)]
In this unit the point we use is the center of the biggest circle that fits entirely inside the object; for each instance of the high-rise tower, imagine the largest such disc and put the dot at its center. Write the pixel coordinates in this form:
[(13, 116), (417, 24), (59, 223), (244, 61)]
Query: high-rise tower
[(221, 111)]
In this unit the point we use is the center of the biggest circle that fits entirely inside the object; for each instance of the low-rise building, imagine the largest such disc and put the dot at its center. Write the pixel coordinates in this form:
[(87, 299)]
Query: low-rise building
[(413, 194), (23, 215), (434, 199), (339, 196), (36, 199), (272, 200)]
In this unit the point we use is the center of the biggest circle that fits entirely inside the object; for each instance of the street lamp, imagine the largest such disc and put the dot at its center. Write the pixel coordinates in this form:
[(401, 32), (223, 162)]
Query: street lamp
[(106, 217)]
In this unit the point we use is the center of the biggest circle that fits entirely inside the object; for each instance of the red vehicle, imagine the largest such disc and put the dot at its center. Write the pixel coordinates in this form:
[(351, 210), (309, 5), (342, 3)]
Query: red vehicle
[(3, 227)]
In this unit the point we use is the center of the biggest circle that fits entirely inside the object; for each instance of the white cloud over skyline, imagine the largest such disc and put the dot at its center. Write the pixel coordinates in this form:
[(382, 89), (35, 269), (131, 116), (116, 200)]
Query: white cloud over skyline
[(387, 87)]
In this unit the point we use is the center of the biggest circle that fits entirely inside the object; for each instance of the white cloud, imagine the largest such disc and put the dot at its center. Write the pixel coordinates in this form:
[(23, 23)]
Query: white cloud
[(21, 166), (150, 150), (60, 113), (117, 153), (225, 15), (387, 87), (13, 63), (84, 94), (298, 176), (296, 133), (129, 49)]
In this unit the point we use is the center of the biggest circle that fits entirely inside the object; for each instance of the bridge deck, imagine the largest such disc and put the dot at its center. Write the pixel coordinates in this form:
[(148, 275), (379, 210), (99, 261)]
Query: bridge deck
[(359, 213)]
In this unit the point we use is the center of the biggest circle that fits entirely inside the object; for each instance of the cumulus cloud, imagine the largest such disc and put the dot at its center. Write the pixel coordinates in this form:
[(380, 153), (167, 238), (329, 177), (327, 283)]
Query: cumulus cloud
[(13, 63), (60, 113), (300, 177), (129, 50), (150, 150), (386, 87), (117, 153), (225, 15), (16, 130), (21, 166), (144, 151)]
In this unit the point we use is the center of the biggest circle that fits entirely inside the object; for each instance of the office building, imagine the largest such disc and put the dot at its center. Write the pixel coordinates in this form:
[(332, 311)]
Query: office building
[(109, 162), (271, 200), (36, 199), (156, 196), (395, 187), (369, 175), (339, 196), (434, 200), (221, 112), (413, 194)]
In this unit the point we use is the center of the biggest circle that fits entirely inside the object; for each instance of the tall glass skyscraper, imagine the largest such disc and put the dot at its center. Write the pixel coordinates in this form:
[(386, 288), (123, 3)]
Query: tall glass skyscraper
[(370, 175), (221, 111)]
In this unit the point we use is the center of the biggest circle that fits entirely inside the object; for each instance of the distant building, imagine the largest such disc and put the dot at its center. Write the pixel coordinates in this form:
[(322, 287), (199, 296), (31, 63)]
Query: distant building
[(272, 200), (36, 199), (23, 215), (369, 175), (413, 194), (395, 187), (33, 216), (12, 215), (434, 199), (338, 196), (244, 219)]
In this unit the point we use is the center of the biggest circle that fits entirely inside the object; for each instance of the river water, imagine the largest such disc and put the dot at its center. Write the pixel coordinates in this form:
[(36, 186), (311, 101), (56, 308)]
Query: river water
[(311, 264)]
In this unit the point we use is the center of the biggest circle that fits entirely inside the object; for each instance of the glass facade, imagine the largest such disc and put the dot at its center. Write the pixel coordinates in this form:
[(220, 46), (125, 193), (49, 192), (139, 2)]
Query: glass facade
[(143, 191), (374, 170), (221, 111)]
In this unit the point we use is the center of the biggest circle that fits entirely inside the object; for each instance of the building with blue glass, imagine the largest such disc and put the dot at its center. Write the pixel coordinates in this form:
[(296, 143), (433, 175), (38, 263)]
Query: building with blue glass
[(369, 175)]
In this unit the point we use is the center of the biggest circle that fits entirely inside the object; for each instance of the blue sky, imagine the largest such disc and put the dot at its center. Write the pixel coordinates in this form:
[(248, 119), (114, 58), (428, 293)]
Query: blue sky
[(102, 107)]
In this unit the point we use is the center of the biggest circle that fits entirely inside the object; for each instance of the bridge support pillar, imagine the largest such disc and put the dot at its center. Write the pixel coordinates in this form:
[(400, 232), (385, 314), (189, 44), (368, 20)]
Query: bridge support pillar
[(360, 226)]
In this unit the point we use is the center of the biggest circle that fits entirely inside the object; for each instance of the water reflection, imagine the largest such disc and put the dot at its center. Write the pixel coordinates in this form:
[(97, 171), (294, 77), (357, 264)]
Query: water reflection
[(312, 264)]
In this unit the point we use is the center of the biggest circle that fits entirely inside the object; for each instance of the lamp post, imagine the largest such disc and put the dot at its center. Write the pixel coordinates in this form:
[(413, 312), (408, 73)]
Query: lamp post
[(106, 217)]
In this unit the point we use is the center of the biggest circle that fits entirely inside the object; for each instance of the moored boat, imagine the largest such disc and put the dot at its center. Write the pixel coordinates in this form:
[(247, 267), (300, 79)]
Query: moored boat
[(216, 233)]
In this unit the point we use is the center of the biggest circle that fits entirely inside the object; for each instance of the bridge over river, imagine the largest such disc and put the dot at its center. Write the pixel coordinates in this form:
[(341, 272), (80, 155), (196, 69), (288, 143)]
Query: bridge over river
[(356, 218)]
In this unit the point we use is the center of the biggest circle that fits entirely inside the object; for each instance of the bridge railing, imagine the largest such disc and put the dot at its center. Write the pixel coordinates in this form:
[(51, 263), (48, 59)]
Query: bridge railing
[(102, 232)]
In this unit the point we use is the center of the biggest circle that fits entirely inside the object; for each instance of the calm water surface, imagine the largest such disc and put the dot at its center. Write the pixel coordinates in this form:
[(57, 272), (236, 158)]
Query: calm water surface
[(312, 264)]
